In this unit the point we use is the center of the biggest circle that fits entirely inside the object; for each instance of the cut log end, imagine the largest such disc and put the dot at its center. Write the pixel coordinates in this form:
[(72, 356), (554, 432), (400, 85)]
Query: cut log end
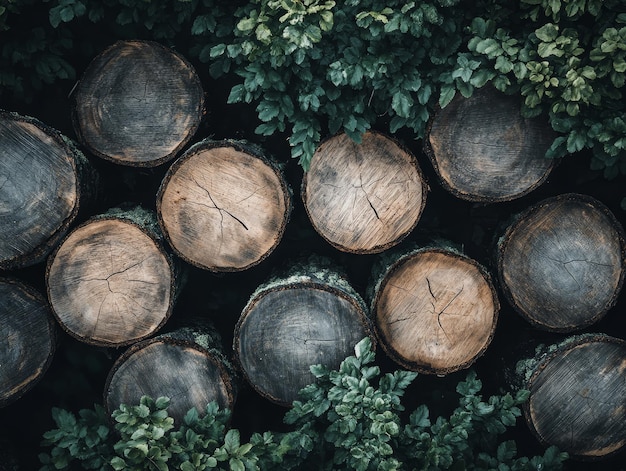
[(173, 366), (287, 328), (39, 190), (483, 150), (435, 311), (363, 198), (578, 397), (28, 331), (561, 264), (223, 207), (110, 283), (138, 104)]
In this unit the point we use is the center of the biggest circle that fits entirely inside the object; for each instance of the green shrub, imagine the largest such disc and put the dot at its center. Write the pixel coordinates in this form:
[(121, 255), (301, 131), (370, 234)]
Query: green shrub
[(348, 419)]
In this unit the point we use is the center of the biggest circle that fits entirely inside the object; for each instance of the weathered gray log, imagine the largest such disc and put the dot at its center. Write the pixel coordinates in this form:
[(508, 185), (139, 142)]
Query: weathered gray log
[(138, 103), (561, 263), (435, 309), (187, 365), (44, 181), (111, 282), (28, 333), (578, 395), (363, 198), (311, 316), (483, 150), (223, 206)]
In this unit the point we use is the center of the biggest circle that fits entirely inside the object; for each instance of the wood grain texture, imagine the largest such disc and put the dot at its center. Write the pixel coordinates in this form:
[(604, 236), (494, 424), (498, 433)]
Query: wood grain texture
[(291, 324), (435, 310), (186, 365), (223, 206), (111, 282), (578, 397), (483, 150), (138, 103), (363, 198), (561, 264), (28, 333), (40, 192)]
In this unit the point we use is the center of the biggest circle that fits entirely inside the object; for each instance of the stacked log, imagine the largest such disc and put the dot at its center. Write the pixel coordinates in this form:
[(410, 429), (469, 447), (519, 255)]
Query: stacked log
[(28, 334), (44, 181), (435, 309), (578, 395), (187, 365), (483, 150), (366, 197), (561, 263), (138, 103), (112, 282), (308, 317), (223, 206)]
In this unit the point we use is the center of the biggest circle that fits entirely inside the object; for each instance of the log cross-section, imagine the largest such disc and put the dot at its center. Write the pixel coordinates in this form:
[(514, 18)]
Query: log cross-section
[(435, 310), (482, 149), (111, 282), (138, 103), (223, 206), (366, 197), (561, 263)]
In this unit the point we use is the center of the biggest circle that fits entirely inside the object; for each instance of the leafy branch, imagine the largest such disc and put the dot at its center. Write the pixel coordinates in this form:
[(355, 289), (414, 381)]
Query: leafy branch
[(348, 419)]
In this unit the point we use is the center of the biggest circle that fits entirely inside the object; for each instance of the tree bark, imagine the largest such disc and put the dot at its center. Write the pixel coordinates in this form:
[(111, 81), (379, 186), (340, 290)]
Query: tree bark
[(28, 331), (561, 263), (111, 282), (578, 395), (223, 206), (363, 198), (44, 181), (138, 103), (186, 365), (435, 310), (483, 150), (312, 316)]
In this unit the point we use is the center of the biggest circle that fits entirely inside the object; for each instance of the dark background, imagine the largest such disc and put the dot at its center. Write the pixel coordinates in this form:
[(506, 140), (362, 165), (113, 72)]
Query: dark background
[(76, 377)]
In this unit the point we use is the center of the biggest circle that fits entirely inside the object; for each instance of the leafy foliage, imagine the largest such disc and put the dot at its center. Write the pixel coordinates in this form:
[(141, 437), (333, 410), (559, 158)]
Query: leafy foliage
[(346, 420)]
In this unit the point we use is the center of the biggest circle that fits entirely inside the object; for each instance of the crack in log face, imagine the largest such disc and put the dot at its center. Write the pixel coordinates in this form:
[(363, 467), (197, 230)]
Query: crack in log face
[(221, 211), (442, 311)]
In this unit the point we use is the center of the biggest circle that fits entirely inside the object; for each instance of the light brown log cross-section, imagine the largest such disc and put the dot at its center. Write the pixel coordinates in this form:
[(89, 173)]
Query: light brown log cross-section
[(363, 198), (39, 190), (435, 311), (483, 150), (137, 104), (27, 330), (578, 397), (223, 208), (110, 283), (561, 264)]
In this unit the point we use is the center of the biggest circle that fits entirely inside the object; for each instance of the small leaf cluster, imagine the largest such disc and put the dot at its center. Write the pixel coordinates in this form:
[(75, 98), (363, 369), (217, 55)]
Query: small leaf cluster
[(567, 60), (145, 438)]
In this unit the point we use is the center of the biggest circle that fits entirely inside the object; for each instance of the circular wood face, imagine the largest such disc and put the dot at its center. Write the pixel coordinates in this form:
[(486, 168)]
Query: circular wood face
[(363, 198), (138, 103), (27, 333), (578, 399), (38, 188), (188, 376), (483, 150), (435, 311), (286, 331), (561, 264), (109, 283), (223, 209)]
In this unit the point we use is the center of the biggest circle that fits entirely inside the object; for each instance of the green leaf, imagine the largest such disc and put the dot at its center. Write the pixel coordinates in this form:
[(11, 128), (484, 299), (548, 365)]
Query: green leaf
[(548, 32), (401, 103), (231, 441), (236, 465), (117, 463), (447, 94)]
